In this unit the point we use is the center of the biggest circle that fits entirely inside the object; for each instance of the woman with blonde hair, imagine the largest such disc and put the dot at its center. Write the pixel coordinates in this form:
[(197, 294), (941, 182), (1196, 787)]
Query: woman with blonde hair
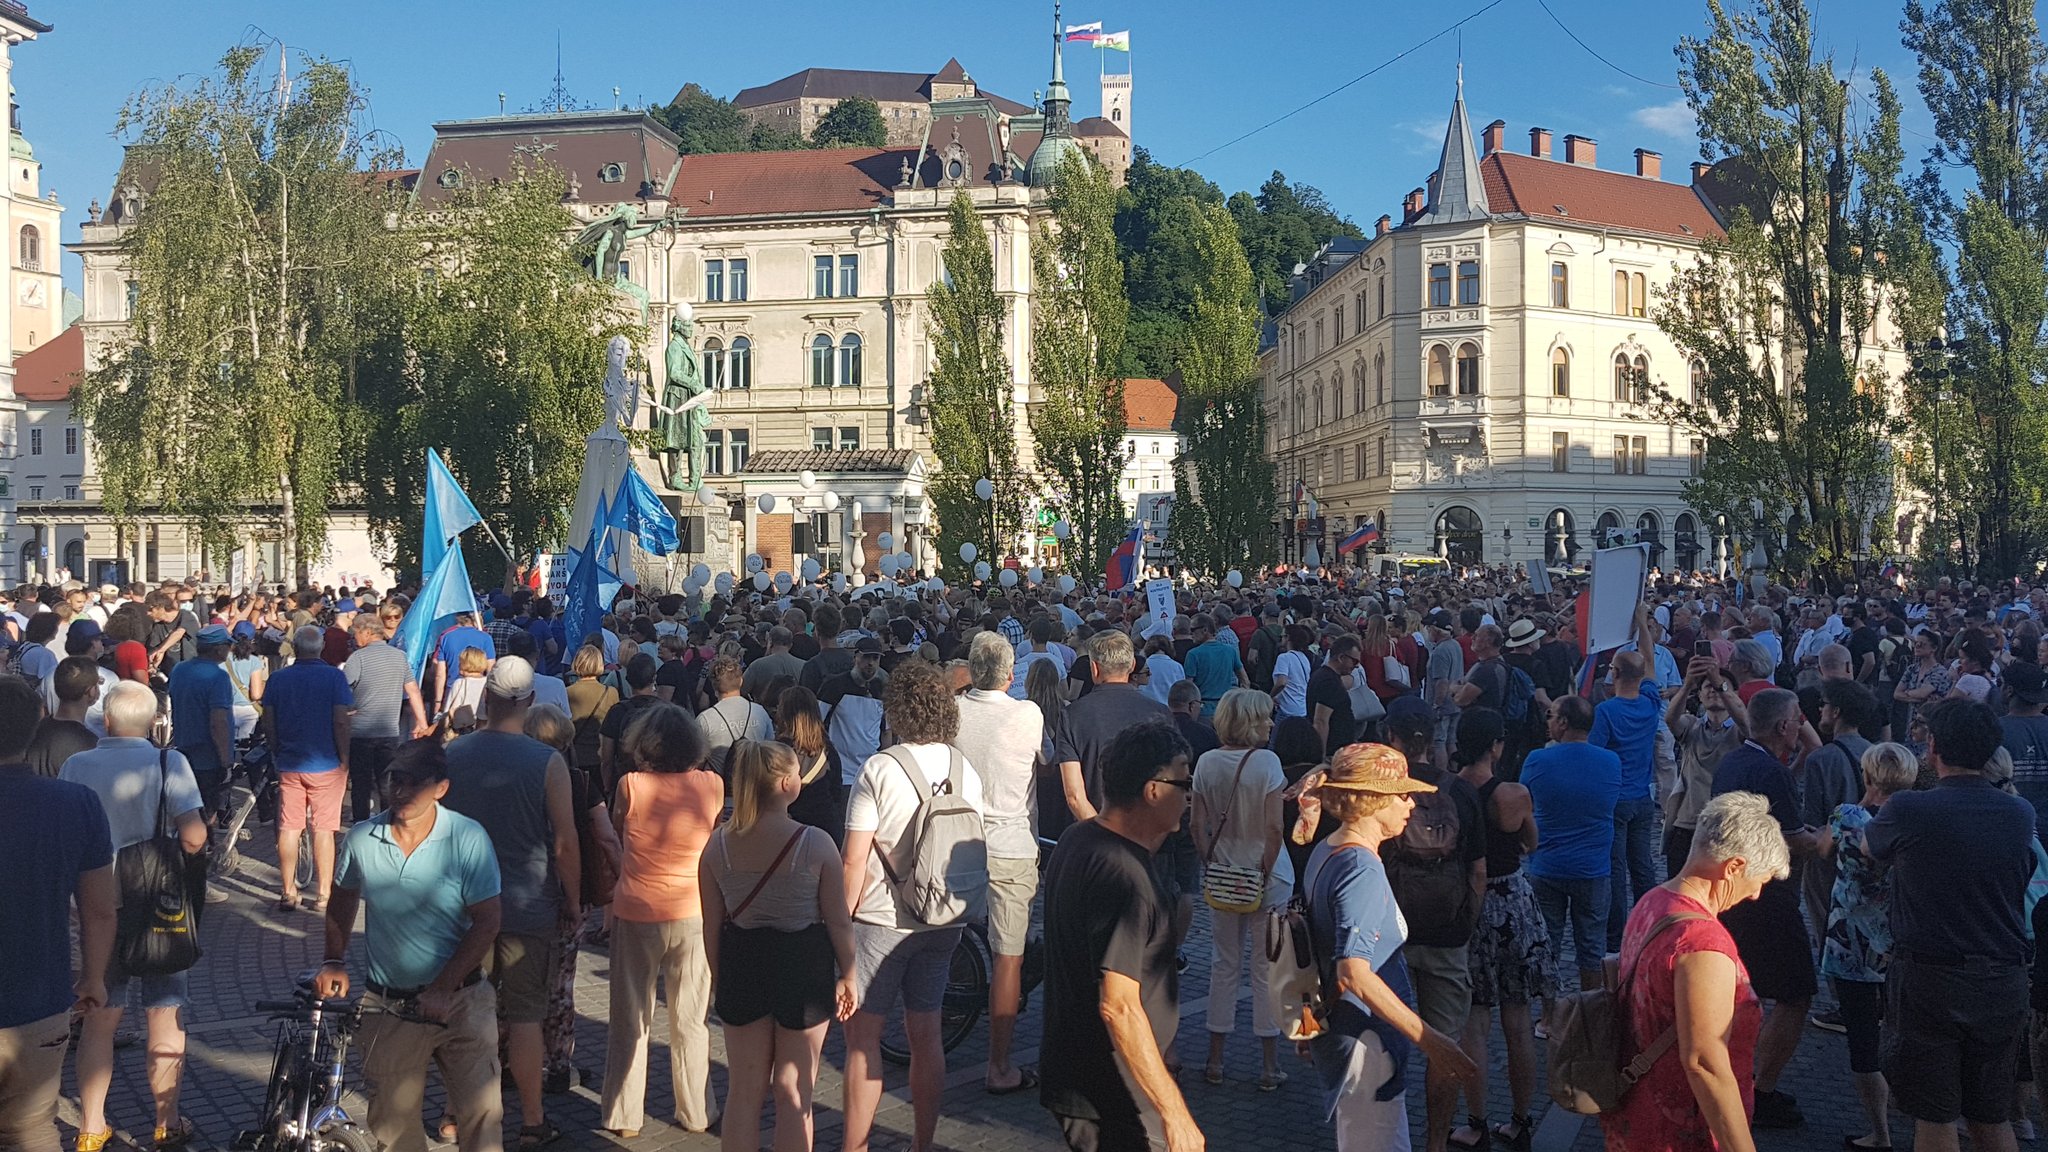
[(1237, 831), (776, 924), (464, 705), (665, 814), (590, 701)]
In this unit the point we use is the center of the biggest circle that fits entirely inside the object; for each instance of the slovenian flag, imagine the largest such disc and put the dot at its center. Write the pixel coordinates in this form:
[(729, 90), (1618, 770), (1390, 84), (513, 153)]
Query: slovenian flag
[(1366, 534), (1085, 33), (1118, 41), (1123, 563)]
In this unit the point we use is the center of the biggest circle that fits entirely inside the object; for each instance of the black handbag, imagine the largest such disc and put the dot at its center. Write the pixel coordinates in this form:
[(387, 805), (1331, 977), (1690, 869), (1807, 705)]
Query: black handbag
[(158, 929)]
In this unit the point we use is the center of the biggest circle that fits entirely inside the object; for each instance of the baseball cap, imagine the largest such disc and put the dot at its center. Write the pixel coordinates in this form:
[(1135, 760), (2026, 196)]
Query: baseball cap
[(210, 635), (2024, 682), (344, 605), (511, 678), (867, 646), (1409, 712), (1440, 618), (1373, 768), (243, 630)]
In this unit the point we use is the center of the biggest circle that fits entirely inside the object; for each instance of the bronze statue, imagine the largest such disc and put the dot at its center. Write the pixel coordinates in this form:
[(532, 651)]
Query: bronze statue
[(682, 410), (606, 238)]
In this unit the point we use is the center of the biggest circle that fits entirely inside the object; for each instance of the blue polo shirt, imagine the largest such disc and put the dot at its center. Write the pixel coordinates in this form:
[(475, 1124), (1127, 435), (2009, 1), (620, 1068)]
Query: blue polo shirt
[(417, 905), (197, 687), (454, 640), (51, 831), (302, 698), (1213, 666)]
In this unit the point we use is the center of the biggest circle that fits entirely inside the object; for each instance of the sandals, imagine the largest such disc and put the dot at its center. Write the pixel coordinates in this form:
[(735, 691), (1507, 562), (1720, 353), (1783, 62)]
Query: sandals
[(1515, 1135), (1480, 1141), (537, 1135), (1271, 1081), (177, 1135), (1027, 1078), (92, 1141), (288, 902)]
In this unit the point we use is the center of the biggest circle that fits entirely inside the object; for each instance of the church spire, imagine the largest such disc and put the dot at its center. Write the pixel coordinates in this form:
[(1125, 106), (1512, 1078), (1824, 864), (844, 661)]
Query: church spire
[(1057, 136), (1457, 192), (1056, 101)]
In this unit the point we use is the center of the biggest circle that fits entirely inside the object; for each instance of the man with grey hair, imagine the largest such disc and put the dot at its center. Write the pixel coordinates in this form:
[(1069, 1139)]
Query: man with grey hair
[(1001, 737), (1091, 722), (1763, 628), (307, 716), (1768, 932), (1750, 667)]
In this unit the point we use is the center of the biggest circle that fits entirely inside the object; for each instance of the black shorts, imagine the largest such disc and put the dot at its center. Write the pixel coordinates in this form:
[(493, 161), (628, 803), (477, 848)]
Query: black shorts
[(1952, 1037), (1771, 939), (765, 972)]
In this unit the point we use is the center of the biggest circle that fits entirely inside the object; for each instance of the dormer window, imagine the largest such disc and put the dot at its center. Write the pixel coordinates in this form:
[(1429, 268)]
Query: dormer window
[(449, 178), (613, 173)]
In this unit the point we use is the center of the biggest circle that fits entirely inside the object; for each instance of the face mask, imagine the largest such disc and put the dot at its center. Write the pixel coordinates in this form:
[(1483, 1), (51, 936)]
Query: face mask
[(184, 605)]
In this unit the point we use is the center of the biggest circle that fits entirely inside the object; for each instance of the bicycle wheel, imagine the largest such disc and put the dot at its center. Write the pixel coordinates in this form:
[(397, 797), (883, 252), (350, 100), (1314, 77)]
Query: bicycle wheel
[(343, 1138), (966, 997), (304, 876)]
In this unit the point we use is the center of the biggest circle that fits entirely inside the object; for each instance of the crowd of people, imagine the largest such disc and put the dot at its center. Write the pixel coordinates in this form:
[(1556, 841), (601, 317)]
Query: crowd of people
[(785, 809)]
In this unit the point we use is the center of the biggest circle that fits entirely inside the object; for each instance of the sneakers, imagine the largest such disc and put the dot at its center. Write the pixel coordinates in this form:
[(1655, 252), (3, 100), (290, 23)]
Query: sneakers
[(1777, 1110), (1829, 1021)]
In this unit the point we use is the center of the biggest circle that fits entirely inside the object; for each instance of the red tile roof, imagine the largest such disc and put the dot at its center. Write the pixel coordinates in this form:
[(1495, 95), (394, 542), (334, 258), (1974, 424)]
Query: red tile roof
[(51, 369), (1554, 189), (1096, 126), (1149, 405), (764, 183)]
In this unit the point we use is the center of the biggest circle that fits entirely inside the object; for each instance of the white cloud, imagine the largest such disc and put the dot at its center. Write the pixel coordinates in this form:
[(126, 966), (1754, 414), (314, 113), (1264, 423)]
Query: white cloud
[(1673, 119)]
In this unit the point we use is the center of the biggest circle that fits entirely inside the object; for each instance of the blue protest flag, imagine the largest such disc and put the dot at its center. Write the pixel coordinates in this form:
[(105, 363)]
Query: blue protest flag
[(448, 513), (637, 510), (446, 595)]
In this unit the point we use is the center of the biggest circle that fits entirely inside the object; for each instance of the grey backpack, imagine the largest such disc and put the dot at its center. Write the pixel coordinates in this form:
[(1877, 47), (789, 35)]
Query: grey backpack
[(939, 868)]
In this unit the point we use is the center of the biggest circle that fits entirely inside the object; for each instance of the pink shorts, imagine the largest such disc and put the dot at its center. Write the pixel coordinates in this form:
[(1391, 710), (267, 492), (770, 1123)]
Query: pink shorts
[(319, 792)]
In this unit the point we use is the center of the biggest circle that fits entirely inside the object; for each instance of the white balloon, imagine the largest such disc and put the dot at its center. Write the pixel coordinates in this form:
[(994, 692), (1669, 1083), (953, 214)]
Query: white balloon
[(754, 562), (839, 582), (1062, 529), (887, 564), (831, 501), (1034, 575), (810, 569), (762, 580), (981, 569), (705, 495), (886, 542), (783, 582), (807, 479), (723, 584), (1234, 578), (1009, 578), (967, 553), (935, 585), (905, 562), (1066, 583), (700, 574), (984, 489), (766, 503)]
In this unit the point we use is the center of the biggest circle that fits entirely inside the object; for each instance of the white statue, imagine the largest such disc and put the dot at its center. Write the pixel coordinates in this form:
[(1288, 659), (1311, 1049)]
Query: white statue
[(621, 399)]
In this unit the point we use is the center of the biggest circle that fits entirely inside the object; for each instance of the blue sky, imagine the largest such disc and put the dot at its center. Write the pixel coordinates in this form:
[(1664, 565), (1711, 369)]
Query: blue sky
[(1204, 72)]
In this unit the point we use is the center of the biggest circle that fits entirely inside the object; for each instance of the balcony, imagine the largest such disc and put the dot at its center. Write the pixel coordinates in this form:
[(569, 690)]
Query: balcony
[(1457, 316), (1434, 407)]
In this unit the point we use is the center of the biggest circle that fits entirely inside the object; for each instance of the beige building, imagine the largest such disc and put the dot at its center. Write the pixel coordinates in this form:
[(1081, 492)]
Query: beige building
[(1471, 379), (798, 101)]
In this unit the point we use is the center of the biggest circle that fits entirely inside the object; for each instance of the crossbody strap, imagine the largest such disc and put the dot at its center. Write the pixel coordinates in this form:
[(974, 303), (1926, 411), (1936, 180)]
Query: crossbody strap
[(741, 908), (1646, 1059), (817, 767), (163, 788), (1225, 821)]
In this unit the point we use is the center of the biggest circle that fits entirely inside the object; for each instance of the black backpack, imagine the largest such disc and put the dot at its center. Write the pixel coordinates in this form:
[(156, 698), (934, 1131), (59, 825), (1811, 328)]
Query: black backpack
[(1262, 653), (1432, 882)]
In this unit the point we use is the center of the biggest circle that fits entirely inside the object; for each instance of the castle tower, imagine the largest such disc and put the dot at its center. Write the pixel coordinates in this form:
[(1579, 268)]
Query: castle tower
[(1116, 100)]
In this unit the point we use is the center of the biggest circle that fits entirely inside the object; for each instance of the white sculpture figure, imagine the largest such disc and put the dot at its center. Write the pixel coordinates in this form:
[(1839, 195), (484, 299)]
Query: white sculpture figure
[(621, 399)]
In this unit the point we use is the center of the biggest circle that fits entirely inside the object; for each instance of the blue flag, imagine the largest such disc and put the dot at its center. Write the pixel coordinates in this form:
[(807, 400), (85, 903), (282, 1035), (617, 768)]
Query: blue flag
[(637, 510), (448, 513), (582, 607), (446, 594)]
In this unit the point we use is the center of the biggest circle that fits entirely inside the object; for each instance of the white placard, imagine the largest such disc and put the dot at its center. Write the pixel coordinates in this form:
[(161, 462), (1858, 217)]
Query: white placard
[(1159, 602), (1539, 579), (1617, 590), (554, 580)]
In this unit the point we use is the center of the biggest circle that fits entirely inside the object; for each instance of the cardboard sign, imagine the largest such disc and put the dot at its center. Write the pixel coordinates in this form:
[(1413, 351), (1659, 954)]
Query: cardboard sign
[(1617, 590), (1159, 603)]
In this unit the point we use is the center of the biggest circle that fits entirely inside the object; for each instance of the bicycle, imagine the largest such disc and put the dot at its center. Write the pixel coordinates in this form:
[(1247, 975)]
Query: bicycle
[(258, 798), (302, 1109)]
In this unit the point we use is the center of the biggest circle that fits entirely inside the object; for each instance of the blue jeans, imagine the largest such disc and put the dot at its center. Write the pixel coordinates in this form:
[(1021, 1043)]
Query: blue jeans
[(1586, 901), (1635, 863)]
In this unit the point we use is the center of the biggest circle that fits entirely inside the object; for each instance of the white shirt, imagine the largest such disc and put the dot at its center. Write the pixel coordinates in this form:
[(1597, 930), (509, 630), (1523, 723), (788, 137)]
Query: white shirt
[(883, 802), (1024, 662), (551, 690), (1166, 672), (1293, 699), (95, 716), (1243, 843), (1001, 738), (128, 773)]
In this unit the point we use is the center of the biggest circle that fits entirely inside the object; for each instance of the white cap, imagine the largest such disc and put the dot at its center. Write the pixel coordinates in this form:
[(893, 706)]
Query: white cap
[(511, 678)]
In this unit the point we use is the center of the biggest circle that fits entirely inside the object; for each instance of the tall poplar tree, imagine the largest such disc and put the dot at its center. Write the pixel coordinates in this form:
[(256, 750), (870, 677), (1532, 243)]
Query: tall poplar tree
[(1985, 191), (973, 417), (1823, 263), (255, 255), (1223, 479), (1077, 347)]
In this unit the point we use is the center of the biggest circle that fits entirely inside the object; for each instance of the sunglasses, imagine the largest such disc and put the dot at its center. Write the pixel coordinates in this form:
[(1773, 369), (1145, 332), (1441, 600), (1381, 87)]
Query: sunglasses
[(1184, 783)]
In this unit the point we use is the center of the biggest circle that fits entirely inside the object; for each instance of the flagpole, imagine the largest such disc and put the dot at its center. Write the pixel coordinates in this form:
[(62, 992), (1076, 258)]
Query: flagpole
[(486, 524)]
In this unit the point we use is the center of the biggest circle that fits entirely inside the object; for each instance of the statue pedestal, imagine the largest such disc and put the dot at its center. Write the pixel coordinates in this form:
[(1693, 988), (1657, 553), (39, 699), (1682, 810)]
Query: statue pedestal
[(605, 461)]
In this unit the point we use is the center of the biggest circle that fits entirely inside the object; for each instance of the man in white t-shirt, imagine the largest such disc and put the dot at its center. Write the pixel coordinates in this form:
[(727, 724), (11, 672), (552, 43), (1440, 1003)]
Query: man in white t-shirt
[(1001, 738), (895, 957)]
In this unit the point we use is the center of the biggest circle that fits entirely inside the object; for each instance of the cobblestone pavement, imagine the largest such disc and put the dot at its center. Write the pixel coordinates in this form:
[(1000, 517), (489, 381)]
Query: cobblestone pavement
[(254, 953)]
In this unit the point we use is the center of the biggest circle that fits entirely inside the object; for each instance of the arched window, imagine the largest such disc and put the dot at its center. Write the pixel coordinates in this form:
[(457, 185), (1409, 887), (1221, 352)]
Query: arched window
[(1460, 535), (1624, 378), (1607, 530), (740, 363), (1358, 386), (1698, 380), (1649, 530), (1300, 406), (1560, 373), (1559, 545), (1337, 395), (1468, 369), (1379, 377), (74, 558), (1685, 538), (713, 363), (28, 562), (821, 361), (849, 361), (1439, 371), (1318, 390), (31, 248), (1640, 370)]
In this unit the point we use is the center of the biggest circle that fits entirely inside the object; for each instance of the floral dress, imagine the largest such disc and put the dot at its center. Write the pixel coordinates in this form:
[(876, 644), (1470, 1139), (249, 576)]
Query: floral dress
[(1859, 918)]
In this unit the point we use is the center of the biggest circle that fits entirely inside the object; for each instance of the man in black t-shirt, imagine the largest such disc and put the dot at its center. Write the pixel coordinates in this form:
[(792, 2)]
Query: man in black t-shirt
[(1111, 992), (1486, 683), (640, 672), (1329, 702), (1864, 664)]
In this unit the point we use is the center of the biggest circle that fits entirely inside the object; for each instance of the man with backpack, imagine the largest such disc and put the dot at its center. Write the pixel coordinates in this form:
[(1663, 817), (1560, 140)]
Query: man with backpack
[(1437, 868), (916, 857), (1262, 649)]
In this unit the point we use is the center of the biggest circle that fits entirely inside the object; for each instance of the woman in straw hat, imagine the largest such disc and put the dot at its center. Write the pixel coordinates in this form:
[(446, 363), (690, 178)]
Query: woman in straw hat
[(1363, 1052)]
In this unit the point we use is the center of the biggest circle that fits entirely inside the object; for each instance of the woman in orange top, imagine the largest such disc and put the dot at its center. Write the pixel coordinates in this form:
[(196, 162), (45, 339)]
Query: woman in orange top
[(665, 813)]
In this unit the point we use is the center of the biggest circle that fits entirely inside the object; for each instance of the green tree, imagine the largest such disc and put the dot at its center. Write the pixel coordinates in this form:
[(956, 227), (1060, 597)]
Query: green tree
[(1161, 257), (703, 122), (1283, 226), (256, 258), (496, 358), (1223, 480), (973, 417), (855, 122), (1981, 74), (1781, 314), (1078, 312)]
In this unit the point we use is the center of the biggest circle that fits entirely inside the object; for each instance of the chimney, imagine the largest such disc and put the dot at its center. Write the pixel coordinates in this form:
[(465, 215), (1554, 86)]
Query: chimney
[(1383, 225), (1411, 205), (1580, 150), (1490, 138), (1539, 143), (1700, 168), (1649, 165)]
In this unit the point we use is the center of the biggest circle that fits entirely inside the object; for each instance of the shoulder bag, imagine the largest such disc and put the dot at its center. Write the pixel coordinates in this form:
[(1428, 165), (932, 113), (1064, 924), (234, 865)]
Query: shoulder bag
[(1237, 888), (157, 933), (1590, 1069)]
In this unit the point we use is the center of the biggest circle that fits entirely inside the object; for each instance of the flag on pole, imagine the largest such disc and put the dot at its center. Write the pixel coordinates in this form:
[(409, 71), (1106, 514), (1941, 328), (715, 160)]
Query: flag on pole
[(448, 513), (446, 594), (1115, 41), (638, 511), (1084, 33), (582, 613), (1123, 563), (1365, 534)]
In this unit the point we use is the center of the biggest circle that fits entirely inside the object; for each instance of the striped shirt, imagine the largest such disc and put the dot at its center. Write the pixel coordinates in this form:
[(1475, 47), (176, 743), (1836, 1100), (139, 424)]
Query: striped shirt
[(378, 675)]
